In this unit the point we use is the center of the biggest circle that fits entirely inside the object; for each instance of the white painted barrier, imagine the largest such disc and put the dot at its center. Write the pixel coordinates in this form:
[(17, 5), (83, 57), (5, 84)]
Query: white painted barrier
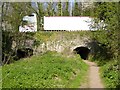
[(31, 23), (68, 23)]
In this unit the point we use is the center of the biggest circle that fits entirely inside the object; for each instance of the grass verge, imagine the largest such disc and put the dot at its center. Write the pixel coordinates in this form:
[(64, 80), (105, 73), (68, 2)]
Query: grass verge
[(109, 74)]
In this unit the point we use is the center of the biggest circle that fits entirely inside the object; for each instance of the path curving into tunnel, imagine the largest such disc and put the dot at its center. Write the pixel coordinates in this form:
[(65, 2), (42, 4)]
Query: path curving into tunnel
[(83, 52), (92, 79)]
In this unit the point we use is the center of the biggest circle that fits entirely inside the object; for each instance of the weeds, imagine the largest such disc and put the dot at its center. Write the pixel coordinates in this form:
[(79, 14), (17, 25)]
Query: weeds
[(50, 70)]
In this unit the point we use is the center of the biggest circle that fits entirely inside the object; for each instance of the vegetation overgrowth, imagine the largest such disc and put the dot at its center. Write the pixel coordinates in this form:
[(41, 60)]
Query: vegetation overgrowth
[(50, 70), (108, 57), (109, 73), (43, 36), (108, 12)]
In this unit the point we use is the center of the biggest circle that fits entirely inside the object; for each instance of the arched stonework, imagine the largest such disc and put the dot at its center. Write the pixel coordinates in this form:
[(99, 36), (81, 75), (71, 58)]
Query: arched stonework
[(82, 51)]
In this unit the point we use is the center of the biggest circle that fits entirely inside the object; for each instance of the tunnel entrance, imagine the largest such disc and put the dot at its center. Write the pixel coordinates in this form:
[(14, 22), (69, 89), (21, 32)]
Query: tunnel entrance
[(24, 52), (83, 52)]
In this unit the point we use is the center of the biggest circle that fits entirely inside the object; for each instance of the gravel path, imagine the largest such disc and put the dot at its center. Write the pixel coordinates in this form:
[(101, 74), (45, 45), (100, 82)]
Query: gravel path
[(93, 79)]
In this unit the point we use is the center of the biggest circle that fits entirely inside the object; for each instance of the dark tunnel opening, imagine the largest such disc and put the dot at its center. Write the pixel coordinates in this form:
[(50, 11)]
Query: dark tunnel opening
[(83, 52), (24, 52)]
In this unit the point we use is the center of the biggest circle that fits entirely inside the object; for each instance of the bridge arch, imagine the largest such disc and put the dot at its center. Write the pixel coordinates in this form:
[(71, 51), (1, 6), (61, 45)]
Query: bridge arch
[(82, 51)]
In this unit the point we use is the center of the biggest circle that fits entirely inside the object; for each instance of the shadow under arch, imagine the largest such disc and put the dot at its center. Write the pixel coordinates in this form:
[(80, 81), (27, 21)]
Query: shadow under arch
[(83, 52)]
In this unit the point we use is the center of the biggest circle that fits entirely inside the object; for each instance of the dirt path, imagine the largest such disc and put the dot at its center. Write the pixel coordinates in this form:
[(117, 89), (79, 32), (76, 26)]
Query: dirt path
[(93, 79)]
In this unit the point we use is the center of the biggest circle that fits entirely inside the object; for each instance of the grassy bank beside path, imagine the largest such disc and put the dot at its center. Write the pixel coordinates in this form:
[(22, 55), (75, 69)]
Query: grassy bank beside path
[(50, 70)]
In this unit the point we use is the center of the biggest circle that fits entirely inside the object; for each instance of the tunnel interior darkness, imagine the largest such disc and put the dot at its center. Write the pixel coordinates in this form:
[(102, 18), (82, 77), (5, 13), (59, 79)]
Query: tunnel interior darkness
[(24, 52), (83, 52)]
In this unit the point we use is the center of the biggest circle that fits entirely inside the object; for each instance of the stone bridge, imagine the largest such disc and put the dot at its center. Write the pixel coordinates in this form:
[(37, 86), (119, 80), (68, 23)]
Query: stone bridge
[(63, 42), (67, 43)]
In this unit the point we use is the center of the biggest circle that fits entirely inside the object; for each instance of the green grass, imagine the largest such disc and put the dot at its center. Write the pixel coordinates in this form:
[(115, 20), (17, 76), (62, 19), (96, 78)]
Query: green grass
[(44, 36), (50, 70), (109, 74)]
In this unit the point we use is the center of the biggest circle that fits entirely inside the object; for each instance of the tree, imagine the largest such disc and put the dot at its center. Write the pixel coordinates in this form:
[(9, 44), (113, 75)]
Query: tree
[(59, 6), (12, 14), (77, 10), (40, 16), (108, 12), (65, 10)]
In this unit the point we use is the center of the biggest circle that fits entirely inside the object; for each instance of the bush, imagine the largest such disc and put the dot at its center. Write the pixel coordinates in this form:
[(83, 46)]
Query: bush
[(109, 73)]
